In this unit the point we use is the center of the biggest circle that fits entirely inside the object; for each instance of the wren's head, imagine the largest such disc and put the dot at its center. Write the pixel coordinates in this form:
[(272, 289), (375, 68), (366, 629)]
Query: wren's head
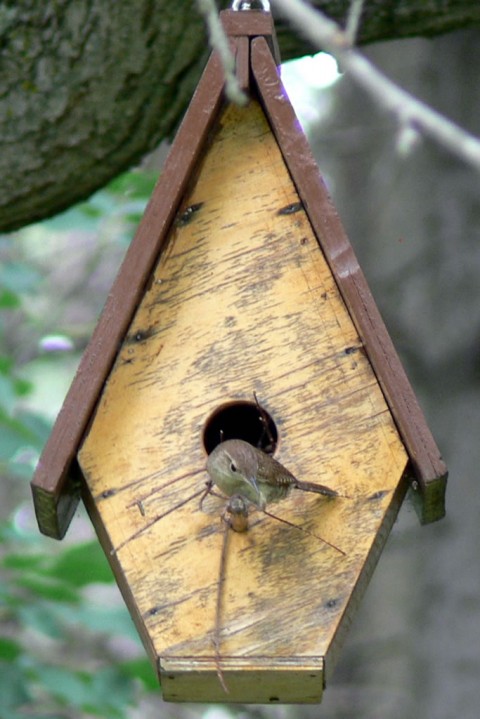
[(233, 467)]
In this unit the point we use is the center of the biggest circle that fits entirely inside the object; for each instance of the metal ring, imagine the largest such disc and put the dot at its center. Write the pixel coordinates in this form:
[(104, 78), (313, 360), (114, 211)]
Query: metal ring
[(247, 5)]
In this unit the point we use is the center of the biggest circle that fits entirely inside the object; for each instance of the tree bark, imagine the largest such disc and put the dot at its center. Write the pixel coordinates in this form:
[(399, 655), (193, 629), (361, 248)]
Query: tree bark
[(87, 88)]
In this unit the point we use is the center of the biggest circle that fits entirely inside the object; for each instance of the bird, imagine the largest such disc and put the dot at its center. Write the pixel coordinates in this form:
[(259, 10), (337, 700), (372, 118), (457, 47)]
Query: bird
[(238, 468)]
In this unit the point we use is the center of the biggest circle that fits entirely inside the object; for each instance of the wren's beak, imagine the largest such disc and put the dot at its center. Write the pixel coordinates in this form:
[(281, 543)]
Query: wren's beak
[(261, 501), (254, 484)]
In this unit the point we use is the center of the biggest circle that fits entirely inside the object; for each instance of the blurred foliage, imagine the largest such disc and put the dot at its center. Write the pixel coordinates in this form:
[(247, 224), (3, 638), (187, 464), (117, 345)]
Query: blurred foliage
[(54, 655), (34, 300), (61, 620)]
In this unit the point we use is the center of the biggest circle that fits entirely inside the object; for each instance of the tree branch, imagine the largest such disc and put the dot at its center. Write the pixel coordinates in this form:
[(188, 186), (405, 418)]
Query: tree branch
[(88, 88), (412, 114), (219, 42)]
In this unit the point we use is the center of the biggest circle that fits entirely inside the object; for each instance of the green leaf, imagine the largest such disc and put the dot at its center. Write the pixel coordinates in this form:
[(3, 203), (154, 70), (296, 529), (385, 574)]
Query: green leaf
[(7, 393), (72, 688), (82, 564), (112, 690), (9, 649), (23, 561), (133, 218), (53, 591), (13, 691), (106, 619), (134, 185), (40, 616), (6, 364), (141, 669), (89, 210), (22, 387), (105, 692), (9, 300)]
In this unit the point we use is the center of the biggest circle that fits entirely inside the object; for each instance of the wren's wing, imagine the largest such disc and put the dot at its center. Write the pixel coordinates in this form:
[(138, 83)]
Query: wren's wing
[(273, 473), (277, 480)]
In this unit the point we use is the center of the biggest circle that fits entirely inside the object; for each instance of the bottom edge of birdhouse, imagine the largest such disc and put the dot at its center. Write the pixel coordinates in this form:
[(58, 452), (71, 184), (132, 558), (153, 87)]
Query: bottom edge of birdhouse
[(248, 680)]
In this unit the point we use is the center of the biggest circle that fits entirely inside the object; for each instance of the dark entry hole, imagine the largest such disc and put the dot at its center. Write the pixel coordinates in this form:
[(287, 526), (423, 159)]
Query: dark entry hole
[(241, 420)]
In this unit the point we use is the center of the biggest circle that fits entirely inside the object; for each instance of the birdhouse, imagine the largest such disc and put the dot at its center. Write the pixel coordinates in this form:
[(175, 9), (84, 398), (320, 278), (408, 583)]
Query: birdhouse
[(240, 312)]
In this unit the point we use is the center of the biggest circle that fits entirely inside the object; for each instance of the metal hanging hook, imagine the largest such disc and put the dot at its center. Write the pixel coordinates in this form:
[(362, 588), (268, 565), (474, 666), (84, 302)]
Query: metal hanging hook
[(247, 5)]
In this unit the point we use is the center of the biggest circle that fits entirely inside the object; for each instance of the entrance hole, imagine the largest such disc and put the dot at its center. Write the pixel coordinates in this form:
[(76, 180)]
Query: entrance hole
[(241, 420)]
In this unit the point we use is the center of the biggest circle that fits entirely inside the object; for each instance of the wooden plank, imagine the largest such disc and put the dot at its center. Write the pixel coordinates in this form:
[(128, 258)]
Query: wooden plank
[(247, 24), (251, 24), (427, 463), (242, 301), (54, 487)]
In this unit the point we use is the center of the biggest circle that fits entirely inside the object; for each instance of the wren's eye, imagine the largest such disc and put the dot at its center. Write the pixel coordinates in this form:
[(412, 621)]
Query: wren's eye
[(233, 467)]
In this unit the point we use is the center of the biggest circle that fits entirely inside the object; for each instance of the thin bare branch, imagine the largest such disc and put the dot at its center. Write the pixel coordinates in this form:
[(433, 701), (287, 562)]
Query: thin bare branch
[(409, 111), (219, 606), (353, 20), (219, 42)]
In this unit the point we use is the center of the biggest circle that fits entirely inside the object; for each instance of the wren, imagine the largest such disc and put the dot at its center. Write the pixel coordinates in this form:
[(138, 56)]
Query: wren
[(236, 467)]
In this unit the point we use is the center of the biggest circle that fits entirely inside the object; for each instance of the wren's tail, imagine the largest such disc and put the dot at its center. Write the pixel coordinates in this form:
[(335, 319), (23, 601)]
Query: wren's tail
[(318, 488)]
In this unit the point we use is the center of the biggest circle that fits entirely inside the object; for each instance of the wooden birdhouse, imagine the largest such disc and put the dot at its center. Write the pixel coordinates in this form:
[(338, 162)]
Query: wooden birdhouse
[(240, 311)]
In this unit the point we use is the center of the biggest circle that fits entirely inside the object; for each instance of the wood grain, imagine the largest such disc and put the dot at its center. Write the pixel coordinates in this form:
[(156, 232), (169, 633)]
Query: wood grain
[(427, 465), (242, 300)]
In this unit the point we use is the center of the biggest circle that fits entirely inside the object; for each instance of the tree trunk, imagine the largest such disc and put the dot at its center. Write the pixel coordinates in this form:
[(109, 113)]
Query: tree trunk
[(87, 88)]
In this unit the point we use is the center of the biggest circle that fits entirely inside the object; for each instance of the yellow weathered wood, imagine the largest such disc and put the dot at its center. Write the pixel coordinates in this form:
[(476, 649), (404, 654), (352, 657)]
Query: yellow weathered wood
[(242, 300)]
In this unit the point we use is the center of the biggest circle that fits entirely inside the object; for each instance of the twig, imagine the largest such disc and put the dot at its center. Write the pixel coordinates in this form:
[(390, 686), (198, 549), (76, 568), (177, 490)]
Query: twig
[(153, 521), (410, 112), (219, 42), (219, 607), (302, 529), (353, 20)]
